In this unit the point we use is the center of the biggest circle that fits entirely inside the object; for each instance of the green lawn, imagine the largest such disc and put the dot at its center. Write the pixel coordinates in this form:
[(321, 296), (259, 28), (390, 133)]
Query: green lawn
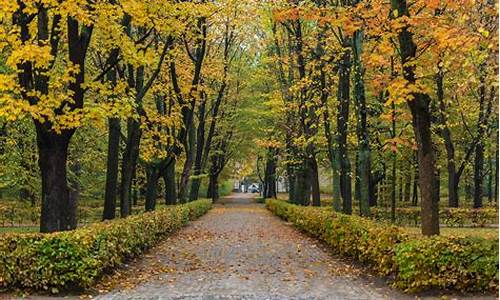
[(20, 229)]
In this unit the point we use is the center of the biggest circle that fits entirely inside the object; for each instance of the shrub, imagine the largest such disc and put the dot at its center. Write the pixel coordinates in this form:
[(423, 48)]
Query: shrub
[(448, 262), (414, 263), (75, 259), (478, 217)]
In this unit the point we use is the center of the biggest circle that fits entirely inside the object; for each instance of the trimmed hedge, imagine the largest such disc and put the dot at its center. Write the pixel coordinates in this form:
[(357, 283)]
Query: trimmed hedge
[(477, 217), (75, 259), (415, 264)]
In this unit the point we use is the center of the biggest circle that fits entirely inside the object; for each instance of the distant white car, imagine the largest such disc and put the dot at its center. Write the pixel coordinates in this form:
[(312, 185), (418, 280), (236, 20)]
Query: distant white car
[(253, 188)]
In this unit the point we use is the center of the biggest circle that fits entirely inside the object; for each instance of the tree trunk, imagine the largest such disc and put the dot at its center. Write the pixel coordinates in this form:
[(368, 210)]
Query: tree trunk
[(213, 188), (198, 161), (363, 170), (58, 208), (393, 188), (453, 196), (376, 178), (152, 176), (188, 163), (426, 164), (400, 188), (342, 122), (407, 184), (270, 175), (170, 184), (490, 180), (421, 119), (316, 195), (479, 153), (496, 175), (291, 183), (303, 184), (478, 175), (112, 169), (332, 156), (128, 166)]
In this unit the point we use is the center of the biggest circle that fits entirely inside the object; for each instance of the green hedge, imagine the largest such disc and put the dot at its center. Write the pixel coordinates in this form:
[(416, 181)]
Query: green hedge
[(466, 264), (75, 259), (478, 217)]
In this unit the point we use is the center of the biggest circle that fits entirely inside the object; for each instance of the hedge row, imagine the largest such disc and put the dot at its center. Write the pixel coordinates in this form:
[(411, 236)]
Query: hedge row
[(466, 264), (478, 217), (75, 259)]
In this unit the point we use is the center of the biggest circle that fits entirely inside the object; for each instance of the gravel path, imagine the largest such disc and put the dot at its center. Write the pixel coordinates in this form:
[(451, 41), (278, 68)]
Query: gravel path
[(239, 250)]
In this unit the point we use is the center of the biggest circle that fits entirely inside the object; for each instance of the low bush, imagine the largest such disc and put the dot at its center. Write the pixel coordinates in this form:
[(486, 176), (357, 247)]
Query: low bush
[(461, 263), (414, 263), (75, 259), (479, 217)]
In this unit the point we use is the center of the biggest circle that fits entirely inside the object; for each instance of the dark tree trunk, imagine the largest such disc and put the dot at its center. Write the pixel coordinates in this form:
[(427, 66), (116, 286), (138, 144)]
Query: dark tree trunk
[(400, 188), (414, 198), (393, 187), (363, 164), (58, 208), (490, 180), (427, 169), (421, 119), (290, 172), (478, 175), (407, 184), (316, 197), (453, 178), (496, 175), (376, 178), (479, 151), (152, 176), (213, 188), (270, 175), (394, 166), (303, 184), (342, 122), (170, 184), (128, 166), (198, 161), (188, 163), (332, 152), (112, 169)]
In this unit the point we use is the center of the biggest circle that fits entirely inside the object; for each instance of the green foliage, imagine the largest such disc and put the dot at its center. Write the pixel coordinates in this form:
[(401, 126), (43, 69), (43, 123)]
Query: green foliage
[(416, 263), (76, 258), (260, 200), (449, 216), (448, 262)]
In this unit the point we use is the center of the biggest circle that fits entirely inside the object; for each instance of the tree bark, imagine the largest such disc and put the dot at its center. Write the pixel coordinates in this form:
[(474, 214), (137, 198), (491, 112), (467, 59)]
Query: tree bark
[(112, 169), (58, 208), (200, 145), (363, 171), (496, 175), (453, 196), (407, 184), (188, 163), (128, 165), (316, 195), (421, 119), (152, 176), (479, 151), (170, 184), (342, 122), (213, 188), (270, 175)]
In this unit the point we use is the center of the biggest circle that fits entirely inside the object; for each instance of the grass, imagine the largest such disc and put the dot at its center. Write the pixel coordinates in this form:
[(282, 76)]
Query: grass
[(19, 229)]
